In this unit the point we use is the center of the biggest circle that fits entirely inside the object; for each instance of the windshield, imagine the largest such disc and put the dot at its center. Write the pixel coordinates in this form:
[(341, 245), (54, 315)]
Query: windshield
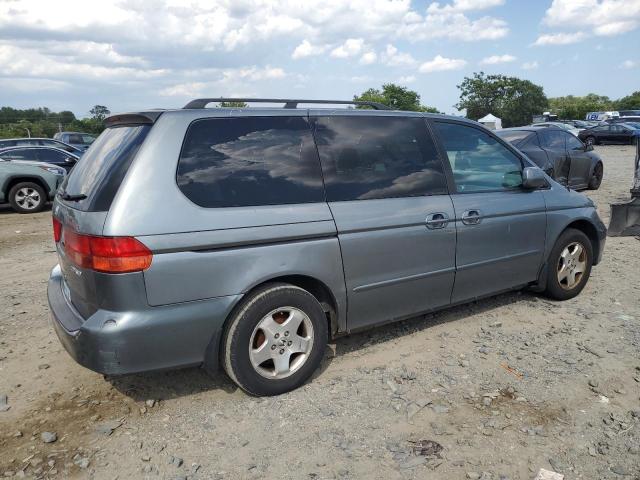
[(515, 137), (98, 174)]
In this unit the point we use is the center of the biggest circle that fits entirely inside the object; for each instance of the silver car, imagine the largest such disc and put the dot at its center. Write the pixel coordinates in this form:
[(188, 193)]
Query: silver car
[(247, 238)]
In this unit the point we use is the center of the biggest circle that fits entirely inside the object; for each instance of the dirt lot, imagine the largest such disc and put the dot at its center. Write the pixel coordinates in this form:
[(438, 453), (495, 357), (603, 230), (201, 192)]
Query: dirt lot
[(504, 387)]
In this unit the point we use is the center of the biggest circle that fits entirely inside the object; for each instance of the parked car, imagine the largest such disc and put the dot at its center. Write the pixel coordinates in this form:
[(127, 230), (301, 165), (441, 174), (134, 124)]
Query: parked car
[(207, 236), (28, 186), (76, 139), (569, 128), (629, 119), (579, 124), (610, 133), (561, 155), (40, 142), (51, 155)]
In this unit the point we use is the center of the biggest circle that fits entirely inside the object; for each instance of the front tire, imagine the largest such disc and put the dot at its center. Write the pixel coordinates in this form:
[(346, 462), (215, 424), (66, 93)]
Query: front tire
[(596, 177), (569, 265), (27, 197), (590, 141), (275, 340)]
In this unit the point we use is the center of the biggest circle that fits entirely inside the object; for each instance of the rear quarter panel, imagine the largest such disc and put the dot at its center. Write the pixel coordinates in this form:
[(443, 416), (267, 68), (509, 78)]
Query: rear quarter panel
[(202, 253)]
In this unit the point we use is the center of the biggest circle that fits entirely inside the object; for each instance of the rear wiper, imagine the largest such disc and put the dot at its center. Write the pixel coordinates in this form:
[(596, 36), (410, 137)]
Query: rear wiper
[(73, 198)]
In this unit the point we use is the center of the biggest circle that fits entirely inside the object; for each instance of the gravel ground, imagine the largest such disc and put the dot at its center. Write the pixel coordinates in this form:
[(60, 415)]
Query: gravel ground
[(494, 390)]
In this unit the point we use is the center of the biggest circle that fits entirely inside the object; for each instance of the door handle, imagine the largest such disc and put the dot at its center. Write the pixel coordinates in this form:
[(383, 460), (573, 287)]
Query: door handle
[(472, 217), (437, 220)]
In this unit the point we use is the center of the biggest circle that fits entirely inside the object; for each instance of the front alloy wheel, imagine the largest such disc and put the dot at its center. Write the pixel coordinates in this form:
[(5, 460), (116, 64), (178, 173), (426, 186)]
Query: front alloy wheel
[(572, 265), (569, 265)]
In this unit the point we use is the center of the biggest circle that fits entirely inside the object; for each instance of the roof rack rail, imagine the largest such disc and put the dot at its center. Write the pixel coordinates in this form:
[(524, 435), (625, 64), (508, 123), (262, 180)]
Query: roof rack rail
[(288, 103)]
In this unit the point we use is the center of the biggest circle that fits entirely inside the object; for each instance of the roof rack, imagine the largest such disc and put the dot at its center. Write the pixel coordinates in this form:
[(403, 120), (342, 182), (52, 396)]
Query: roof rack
[(288, 103)]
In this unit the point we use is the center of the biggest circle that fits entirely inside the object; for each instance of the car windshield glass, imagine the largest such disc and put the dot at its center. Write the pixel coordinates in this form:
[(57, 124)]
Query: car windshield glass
[(513, 136)]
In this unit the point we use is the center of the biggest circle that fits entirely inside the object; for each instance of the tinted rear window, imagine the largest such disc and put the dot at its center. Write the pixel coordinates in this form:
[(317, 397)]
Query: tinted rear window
[(100, 171), (373, 157), (250, 161)]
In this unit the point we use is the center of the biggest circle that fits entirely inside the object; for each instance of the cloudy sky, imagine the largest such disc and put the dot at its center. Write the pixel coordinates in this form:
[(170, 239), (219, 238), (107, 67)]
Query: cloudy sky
[(72, 54)]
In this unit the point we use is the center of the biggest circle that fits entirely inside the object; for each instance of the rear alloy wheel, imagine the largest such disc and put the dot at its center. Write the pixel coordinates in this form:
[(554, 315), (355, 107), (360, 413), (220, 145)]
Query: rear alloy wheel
[(275, 340), (596, 177), (569, 265), (27, 197), (590, 141)]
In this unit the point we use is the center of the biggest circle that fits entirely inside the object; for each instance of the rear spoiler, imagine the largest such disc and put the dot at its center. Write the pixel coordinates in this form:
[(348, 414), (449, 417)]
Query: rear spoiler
[(139, 118)]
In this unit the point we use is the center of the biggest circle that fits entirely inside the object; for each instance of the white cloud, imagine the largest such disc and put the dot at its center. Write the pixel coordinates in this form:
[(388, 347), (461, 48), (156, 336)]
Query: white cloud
[(464, 5), (392, 56), (406, 79), (453, 25), (440, 64), (307, 49), (17, 61), (605, 17), (629, 64), (350, 48), (368, 58), (495, 59), (560, 38), (530, 65)]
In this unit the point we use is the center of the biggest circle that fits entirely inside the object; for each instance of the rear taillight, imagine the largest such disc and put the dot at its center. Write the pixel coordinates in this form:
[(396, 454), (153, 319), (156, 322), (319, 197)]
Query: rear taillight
[(57, 230), (106, 254)]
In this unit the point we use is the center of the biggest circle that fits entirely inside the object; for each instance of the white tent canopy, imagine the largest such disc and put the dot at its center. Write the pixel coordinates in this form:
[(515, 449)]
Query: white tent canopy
[(491, 121)]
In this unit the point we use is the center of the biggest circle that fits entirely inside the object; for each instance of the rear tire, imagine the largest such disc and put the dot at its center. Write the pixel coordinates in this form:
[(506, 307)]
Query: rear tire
[(27, 197), (596, 176), (275, 340), (569, 265)]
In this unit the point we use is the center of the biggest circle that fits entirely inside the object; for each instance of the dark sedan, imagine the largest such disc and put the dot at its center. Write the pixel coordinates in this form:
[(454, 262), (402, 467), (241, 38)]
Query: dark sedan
[(610, 133), (55, 156), (39, 142), (560, 154)]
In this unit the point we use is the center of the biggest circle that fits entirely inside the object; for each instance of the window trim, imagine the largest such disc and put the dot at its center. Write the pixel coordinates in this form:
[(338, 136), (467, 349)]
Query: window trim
[(447, 164), (304, 150), (312, 119)]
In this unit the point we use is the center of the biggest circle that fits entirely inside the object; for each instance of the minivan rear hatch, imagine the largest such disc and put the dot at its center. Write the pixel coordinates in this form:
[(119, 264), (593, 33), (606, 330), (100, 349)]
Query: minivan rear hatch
[(81, 206)]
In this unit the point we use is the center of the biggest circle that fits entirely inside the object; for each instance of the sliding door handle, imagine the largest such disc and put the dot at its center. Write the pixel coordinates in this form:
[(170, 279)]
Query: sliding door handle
[(437, 220), (472, 217)]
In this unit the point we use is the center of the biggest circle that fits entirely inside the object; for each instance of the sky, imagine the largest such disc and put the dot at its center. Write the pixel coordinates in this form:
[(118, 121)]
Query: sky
[(137, 54)]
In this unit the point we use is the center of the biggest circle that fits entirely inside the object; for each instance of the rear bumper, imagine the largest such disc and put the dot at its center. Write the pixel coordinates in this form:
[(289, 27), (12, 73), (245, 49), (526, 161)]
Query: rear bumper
[(153, 338)]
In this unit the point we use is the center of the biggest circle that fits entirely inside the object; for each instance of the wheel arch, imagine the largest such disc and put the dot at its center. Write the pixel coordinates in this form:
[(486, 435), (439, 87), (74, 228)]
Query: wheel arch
[(589, 229), (314, 286), (12, 181)]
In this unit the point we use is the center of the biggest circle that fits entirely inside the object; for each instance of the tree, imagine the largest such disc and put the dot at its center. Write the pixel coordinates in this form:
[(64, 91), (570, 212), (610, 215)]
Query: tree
[(396, 97), (630, 102), (233, 105), (99, 112), (512, 99), (576, 108)]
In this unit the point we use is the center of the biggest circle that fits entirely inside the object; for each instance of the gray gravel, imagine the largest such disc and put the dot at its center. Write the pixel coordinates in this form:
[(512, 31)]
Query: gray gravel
[(498, 389)]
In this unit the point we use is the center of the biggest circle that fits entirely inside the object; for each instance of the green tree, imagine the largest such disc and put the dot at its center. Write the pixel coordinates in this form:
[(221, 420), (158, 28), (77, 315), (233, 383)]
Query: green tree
[(99, 112), (630, 102), (233, 105), (396, 97), (512, 99), (572, 107)]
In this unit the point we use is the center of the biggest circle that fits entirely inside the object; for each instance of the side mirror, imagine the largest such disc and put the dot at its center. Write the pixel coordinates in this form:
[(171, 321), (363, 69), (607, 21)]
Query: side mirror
[(588, 148), (533, 178), (70, 160)]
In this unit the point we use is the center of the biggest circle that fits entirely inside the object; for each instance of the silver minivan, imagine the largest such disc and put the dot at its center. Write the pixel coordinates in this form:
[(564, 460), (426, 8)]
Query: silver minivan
[(247, 238)]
